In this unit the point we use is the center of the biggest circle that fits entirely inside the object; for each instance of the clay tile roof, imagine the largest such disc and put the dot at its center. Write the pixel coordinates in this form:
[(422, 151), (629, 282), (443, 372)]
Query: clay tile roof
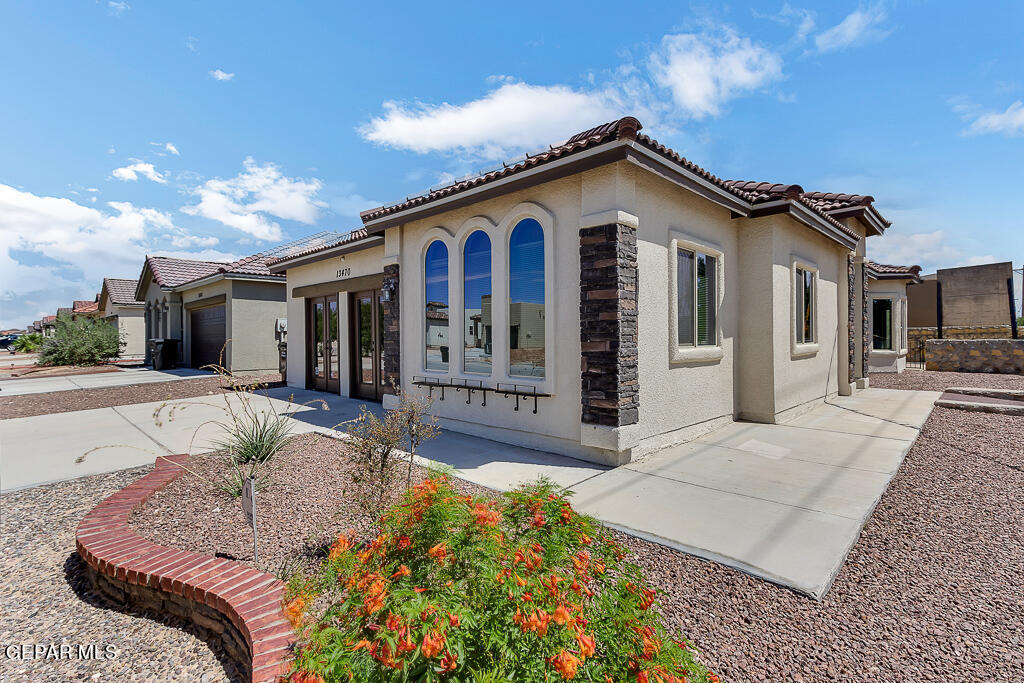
[(85, 307), (766, 192), (49, 318), (884, 269), (171, 272), (320, 242), (64, 309), (830, 201), (121, 291)]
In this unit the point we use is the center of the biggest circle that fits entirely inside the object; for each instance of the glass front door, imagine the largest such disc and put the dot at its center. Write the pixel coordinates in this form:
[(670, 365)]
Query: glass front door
[(322, 324), (367, 366)]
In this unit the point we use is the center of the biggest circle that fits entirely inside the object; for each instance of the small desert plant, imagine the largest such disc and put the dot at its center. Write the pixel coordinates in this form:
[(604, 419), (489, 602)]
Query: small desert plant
[(81, 341), (462, 588), (376, 444), (251, 440), (28, 343), (417, 423)]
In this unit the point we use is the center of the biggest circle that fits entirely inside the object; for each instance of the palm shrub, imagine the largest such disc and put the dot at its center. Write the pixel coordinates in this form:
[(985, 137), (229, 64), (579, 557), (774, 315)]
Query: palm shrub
[(459, 588), (81, 341), (28, 343)]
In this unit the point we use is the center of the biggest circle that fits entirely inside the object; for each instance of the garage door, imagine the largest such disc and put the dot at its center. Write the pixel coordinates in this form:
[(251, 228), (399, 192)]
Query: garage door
[(207, 335)]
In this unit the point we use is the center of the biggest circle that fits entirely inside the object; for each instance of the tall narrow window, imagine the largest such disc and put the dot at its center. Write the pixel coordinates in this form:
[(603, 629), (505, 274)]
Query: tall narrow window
[(697, 298), (526, 299), (804, 294), (881, 324), (903, 323), (476, 294), (435, 270)]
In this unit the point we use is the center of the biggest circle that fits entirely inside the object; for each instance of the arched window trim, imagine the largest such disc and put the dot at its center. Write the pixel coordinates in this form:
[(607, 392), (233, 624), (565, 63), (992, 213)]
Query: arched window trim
[(437, 233)]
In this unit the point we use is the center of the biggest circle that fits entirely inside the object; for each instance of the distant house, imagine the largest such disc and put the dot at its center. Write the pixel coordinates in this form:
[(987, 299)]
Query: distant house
[(86, 309), (202, 304), (49, 323), (887, 315), (118, 306), (971, 302)]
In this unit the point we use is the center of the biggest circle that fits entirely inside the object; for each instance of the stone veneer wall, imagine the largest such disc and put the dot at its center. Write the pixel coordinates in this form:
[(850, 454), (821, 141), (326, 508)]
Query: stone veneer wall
[(978, 332), (391, 342), (865, 325), (608, 325), (851, 274), (975, 355)]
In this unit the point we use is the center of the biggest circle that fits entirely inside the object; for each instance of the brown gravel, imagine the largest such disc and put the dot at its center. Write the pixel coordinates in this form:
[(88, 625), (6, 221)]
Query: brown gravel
[(46, 599), (933, 380), (313, 500), (933, 589), (27, 405)]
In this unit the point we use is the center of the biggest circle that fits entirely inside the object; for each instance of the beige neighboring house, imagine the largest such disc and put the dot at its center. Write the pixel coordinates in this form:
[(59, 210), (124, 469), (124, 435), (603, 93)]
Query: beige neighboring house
[(202, 304), (603, 299), (118, 306), (887, 315), (85, 308)]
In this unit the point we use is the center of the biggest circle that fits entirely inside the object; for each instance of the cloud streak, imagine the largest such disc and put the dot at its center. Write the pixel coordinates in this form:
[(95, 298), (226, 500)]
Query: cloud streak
[(862, 26), (132, 172), (221, 75)]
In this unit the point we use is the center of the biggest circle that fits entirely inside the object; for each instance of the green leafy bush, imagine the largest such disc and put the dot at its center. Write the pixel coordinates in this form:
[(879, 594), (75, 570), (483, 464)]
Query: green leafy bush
[(81, 341), (28, 343), (520, 588)]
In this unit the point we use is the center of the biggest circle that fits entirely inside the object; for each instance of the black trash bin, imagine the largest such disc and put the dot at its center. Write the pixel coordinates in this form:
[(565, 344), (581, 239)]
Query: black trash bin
[(164, 353), (282, 349)]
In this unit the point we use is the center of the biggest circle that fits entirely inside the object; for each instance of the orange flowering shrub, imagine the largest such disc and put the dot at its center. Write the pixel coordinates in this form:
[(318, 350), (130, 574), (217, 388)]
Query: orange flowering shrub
[(460, 588)]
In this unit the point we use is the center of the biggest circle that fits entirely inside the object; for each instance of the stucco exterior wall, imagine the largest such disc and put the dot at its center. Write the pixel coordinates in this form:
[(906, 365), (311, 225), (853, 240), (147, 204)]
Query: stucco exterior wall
[(895, 360), (194, 298), (131, 324), (357, 264), (255, 309)]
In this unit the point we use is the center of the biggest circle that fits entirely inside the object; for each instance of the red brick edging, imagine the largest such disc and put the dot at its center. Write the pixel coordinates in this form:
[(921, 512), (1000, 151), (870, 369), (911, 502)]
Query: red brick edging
[(221, 597)]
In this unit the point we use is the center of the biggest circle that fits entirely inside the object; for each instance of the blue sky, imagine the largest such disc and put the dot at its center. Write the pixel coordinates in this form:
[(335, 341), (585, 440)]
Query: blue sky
[(216, 129)]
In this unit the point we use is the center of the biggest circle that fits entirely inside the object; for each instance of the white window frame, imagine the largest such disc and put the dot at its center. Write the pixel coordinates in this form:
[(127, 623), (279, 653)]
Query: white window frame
[(798, 348), (687, 353)]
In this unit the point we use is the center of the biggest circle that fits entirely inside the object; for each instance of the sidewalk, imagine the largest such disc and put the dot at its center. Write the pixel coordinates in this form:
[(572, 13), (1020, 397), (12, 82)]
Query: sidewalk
[(123, 377)]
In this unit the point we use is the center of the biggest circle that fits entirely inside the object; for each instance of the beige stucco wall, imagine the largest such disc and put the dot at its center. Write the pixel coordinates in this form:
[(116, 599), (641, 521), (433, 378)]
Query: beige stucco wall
[(356, 264), (255, 309), (895, 360), (193, 298)]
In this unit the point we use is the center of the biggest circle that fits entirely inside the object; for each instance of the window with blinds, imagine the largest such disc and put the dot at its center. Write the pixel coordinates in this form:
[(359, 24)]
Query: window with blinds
[(696, 289)]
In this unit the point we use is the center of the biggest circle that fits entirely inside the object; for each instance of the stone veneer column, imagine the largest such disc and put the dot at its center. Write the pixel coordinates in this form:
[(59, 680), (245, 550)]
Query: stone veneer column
[(851, 274), (865, 324), (608, 325), (391, 341)]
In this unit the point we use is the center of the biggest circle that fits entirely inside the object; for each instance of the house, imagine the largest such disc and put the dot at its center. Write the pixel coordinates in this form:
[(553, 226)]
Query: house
[(601, 299), (49, 324), (118, 306), (203, 304), (887, 313), (970, 302), (85, 308)]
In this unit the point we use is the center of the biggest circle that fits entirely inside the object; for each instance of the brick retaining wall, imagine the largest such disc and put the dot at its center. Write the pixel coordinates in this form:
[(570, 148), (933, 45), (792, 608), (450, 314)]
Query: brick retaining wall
[(974, 332), (975, 355), (224, 599)]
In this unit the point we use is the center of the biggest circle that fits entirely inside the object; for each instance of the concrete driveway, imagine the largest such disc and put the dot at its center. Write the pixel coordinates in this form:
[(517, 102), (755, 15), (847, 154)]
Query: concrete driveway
[(123, 377), (784, 502)]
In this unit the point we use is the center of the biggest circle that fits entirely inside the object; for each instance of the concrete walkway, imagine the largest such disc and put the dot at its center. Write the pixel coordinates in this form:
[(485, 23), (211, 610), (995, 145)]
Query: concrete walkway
[(784, 502), (123, 377)]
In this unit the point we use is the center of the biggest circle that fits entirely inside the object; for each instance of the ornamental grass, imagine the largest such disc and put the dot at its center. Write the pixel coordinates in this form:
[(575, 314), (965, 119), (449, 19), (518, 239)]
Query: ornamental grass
[(460, 588)]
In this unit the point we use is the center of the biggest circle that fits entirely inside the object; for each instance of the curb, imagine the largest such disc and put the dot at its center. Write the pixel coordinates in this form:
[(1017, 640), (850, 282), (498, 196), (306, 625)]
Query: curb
[(224, 599)]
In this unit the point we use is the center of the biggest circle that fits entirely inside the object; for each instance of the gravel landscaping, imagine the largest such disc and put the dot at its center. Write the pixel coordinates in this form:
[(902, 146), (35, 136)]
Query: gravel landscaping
[(933, 589), (934, 380), (28, 405), (46, 598)]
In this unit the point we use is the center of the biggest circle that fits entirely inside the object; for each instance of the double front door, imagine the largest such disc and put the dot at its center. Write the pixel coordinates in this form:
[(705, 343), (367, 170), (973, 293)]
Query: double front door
[(364, 339), (322, 322)]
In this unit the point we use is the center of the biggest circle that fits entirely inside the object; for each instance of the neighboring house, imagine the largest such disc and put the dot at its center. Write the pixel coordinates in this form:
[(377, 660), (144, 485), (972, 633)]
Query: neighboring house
[(888, 315), (118, 306), (86, 309), (49, 324), (37, 327), (203, 304), (629, 299), (971, 302)]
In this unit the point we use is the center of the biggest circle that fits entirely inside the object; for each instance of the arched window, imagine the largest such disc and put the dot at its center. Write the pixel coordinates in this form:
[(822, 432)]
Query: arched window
[(526, 299), (476, 295), (435, 272)]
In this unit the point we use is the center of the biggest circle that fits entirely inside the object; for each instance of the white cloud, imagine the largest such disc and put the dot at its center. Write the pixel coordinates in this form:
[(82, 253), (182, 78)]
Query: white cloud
[(1009, 122), (862, 26), (117, 7), (246, 201), (134, 170), (700, 71), (704, 71), (222, 75), (192, 43), (930, 250), (167, 147), (70, 248)]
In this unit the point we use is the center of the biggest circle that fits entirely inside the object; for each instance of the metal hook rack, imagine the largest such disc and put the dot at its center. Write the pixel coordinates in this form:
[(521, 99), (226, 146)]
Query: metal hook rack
[(506, 389)]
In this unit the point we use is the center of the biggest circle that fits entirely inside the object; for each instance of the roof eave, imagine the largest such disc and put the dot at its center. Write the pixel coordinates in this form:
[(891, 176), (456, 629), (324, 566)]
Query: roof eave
[(804, 214), (362, 243), (868, 215)]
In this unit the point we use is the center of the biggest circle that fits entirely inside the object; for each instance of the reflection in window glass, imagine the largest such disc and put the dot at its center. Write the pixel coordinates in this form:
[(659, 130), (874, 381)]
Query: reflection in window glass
[(684, 296), (332, 336), (318, 339), (804, 294), (881, 324), (696, 298), (365, 314), (435, 269), (526, 299), (477, 303)]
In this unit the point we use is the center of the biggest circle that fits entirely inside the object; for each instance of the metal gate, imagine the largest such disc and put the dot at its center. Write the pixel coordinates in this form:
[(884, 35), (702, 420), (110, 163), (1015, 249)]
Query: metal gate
[(915, 353)]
